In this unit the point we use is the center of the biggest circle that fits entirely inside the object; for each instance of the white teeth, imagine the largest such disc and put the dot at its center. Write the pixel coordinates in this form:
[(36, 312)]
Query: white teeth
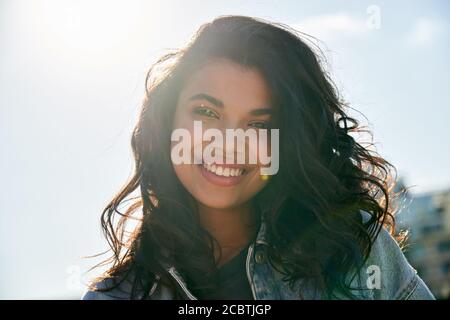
[(223, 171), (236, 172)]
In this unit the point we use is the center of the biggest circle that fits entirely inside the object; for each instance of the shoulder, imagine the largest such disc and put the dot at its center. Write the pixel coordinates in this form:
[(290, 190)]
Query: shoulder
[(387, 274), (107, 289)]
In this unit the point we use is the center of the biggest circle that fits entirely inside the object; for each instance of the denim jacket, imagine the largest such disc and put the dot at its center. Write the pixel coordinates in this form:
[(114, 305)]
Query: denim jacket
[(386, 275)]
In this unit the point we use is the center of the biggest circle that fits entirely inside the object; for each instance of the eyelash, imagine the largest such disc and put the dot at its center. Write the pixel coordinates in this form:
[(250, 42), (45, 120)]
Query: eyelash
[(264, 124), (204, 111)]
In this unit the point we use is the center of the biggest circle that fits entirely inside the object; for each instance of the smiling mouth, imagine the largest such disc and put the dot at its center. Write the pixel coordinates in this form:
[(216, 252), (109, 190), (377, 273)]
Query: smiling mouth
[(222, 175), (224, 171)]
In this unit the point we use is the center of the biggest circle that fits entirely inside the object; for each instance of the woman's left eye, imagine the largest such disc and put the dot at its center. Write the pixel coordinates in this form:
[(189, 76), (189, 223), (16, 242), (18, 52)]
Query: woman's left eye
[(259, 124)]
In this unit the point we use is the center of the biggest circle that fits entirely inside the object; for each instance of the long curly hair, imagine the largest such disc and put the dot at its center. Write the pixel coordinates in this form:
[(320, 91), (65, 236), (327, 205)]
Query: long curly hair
[(312, 206)]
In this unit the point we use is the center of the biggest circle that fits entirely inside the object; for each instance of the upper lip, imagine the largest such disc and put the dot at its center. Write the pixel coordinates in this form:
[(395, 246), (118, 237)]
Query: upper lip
[(227, 165), (245, 167)]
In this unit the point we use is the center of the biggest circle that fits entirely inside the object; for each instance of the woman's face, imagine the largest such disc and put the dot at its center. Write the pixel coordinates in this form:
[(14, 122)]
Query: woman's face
[(223, 95)]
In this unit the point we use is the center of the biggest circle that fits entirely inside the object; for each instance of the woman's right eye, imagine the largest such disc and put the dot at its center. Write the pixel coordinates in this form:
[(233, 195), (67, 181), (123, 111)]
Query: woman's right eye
[(204, 111)]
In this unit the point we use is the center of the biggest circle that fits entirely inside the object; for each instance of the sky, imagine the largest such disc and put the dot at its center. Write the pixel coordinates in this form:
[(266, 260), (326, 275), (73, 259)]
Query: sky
[(72, 79)]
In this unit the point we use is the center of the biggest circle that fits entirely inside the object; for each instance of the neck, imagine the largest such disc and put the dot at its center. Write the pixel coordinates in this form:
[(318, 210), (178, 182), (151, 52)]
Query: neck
[(233, 228)]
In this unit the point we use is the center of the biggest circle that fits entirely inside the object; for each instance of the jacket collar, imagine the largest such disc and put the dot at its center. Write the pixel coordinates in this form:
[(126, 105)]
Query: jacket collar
[(261, 237)]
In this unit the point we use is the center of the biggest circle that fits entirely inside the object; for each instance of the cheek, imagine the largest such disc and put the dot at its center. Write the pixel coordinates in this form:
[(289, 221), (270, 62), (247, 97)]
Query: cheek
[(255, 184), (184, 174), (183, 120), (260, 149)]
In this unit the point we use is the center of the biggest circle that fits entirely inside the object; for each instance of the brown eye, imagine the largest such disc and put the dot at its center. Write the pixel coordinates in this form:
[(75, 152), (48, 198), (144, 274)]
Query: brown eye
[(259, 124), (206, 112)]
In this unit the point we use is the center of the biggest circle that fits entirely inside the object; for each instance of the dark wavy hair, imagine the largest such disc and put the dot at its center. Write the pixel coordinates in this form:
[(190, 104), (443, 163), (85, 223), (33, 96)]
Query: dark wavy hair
[(312, 206)]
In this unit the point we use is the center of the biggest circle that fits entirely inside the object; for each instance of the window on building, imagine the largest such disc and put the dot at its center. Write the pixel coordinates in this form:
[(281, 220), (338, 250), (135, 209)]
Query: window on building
[(426, 230), (444, 246), (445, 267)]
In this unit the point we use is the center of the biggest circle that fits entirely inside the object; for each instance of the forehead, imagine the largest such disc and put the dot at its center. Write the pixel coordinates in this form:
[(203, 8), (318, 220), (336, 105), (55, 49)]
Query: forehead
[(229, 82)]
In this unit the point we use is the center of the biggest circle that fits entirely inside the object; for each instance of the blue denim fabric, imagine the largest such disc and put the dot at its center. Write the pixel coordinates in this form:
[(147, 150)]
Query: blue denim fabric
[(387, 275)]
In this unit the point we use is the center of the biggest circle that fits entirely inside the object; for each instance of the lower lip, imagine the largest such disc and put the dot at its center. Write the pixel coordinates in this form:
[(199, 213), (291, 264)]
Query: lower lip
[(219, 180)]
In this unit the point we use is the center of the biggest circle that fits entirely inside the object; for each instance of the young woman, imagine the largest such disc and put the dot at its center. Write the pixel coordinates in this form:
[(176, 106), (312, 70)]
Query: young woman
[(322, 227)]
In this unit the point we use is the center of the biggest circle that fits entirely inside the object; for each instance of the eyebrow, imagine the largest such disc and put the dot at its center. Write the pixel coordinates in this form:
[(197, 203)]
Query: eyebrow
[(204, 96), (220, 104)]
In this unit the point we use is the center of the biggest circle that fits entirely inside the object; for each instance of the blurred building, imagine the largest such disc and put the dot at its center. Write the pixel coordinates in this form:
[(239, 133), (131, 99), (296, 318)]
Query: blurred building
[(427, 217)]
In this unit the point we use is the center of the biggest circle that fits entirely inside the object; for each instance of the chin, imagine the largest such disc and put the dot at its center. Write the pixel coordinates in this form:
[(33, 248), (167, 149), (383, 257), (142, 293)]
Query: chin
[(219, 202)]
